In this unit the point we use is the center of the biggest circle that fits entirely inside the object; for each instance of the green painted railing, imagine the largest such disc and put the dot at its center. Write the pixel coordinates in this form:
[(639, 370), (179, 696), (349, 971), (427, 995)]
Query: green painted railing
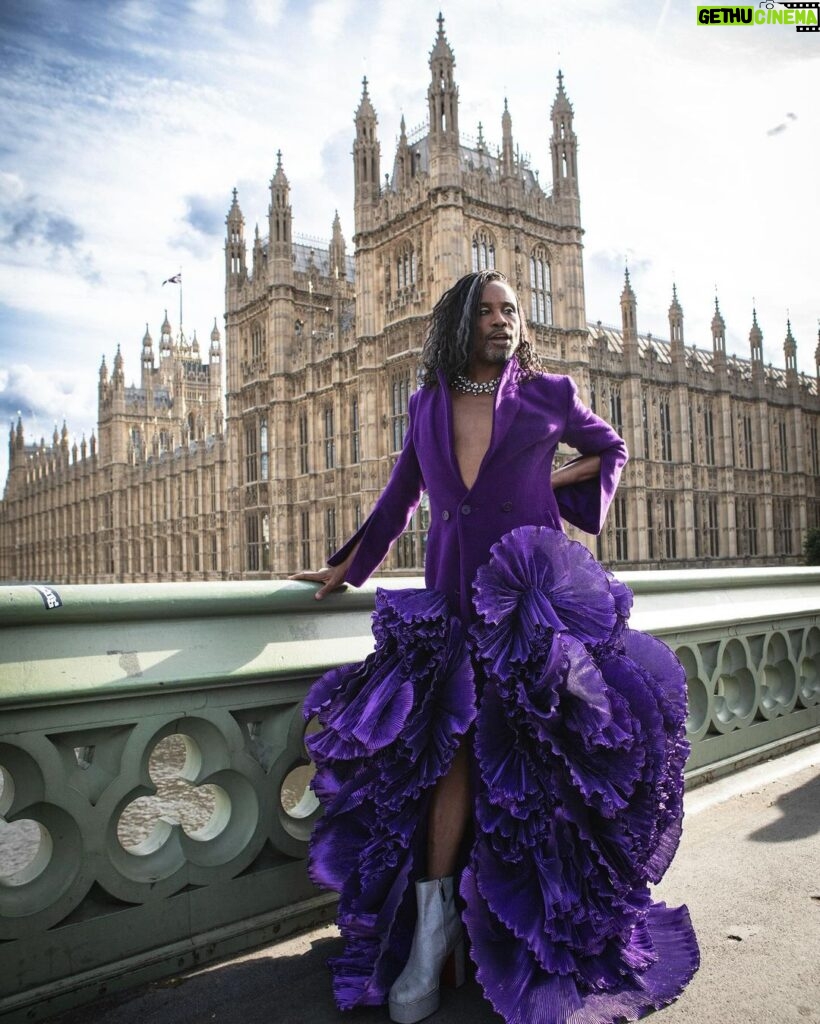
[(154, 811)]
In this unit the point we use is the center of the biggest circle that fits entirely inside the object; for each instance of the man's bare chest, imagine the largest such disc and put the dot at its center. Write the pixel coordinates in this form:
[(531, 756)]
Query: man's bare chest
[(472, 433)]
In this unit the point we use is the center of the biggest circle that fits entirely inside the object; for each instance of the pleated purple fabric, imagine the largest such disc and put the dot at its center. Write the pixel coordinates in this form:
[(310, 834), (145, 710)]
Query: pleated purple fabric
[(577, 727)]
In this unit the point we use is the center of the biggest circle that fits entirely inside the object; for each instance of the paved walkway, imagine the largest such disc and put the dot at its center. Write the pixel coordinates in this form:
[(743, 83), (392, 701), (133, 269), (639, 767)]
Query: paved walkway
[(748, 867)]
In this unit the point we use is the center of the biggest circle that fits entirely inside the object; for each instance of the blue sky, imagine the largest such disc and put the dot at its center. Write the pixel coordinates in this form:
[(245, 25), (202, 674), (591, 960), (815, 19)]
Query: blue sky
[(125, 125)]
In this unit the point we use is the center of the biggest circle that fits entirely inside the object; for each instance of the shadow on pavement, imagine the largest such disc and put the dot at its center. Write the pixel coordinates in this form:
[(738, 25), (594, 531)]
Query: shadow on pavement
[(263, 990), (799, 815)]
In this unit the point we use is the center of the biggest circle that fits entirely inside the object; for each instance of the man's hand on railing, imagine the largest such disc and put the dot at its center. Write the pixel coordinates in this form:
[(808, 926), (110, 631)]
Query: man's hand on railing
[(332, 576)]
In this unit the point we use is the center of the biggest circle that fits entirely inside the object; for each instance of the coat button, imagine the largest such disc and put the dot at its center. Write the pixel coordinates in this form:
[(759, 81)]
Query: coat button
[(465, 510), (445, 515), (507, 506)]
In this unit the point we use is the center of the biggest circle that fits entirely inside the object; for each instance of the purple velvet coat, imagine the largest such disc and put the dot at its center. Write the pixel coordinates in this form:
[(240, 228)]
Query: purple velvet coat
[(513, 486)]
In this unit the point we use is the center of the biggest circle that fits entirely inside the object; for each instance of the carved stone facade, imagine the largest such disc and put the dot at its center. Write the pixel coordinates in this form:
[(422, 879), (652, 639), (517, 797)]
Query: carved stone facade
[(144, 501), (321, 355)]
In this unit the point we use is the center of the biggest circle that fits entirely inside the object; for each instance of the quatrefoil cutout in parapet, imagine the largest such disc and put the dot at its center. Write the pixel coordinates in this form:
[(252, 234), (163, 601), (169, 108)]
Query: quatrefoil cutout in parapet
[(202, 811), (25, 844)]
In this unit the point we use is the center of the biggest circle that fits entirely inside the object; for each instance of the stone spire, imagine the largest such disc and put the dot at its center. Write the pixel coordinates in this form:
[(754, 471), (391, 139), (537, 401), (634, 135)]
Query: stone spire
[(118, 375), (258, 253), (676, 331), (147, 354), (719, 347), (442, 94), (215, 351), (629, 324), (756, 340), (235, 253), (337, 249), (718, 331), (507, 152), (404, 159), (790, 352), (366, 156), (442, 103), (280, 215), (166, 341), (563, 144)]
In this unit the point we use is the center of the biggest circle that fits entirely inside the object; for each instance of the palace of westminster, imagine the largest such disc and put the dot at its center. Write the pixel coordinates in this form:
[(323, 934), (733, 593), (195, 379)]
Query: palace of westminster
[(321, 350)]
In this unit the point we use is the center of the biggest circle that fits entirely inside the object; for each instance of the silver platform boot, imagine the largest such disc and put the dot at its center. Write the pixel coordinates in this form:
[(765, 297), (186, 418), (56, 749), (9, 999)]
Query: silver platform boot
[(415, 994)]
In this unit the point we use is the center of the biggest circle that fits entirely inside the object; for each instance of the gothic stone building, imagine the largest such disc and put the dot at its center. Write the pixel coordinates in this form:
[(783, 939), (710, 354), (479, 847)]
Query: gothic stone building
[(145, 499), (321, 354)]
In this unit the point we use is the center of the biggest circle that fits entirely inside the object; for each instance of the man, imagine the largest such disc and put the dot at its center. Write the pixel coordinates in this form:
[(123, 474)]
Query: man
[(484, 411), (482, 433)]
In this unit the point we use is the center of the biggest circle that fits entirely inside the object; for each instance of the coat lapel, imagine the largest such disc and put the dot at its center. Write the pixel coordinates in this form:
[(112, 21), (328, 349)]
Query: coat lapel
[(506, 407), (443, 421)]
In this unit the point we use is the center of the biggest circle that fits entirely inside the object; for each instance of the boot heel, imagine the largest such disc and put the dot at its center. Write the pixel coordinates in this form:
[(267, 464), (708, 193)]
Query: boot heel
[(454, 973)]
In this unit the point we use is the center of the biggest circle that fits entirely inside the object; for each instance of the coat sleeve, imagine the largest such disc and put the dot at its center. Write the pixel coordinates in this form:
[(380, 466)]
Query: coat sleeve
[(390, 515), (585, 504)]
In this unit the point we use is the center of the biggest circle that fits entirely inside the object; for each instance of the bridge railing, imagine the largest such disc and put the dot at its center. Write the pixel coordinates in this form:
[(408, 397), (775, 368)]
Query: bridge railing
[(154, 808)]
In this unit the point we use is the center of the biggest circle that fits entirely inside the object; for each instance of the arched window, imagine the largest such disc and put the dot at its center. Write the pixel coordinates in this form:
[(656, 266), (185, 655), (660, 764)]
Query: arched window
[(264, 454), (399, 401), (355, 440), (257, 340), (405, 267), (540, 288), (330, 438), (483, 251), (304, 462)]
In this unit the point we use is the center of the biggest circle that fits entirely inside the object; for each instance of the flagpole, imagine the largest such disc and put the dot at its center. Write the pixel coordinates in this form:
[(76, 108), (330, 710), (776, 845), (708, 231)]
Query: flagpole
[(180, 306)]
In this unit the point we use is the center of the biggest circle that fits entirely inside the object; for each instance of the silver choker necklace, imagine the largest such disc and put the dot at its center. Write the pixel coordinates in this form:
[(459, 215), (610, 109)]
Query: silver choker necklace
[(472, 387)]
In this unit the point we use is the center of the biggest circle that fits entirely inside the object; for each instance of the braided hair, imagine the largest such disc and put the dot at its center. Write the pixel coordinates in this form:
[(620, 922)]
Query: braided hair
[(449, 336)]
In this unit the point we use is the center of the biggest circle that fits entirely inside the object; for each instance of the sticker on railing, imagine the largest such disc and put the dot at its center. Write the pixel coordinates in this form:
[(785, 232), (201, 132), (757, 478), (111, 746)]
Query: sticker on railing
[(51, 599)]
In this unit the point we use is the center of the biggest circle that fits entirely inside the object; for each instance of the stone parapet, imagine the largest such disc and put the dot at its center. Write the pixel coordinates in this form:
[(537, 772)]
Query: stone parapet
[(154, 809)]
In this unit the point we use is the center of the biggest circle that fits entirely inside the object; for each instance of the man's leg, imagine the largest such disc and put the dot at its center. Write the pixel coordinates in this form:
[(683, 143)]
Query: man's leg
[(448, 816)]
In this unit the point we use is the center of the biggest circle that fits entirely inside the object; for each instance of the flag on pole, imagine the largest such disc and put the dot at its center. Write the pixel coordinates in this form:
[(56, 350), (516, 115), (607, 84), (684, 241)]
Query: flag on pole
[(176, 279)]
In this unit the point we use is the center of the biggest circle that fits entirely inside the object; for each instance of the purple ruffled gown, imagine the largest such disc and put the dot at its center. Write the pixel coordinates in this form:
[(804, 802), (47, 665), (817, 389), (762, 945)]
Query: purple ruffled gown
[(577, 727)]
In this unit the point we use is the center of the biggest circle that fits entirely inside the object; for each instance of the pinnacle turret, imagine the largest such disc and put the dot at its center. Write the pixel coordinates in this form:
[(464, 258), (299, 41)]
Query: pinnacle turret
[(676, 329), (166, 343), (118, 375), (718, 330), (365, 111), (280, 215), (337, 249), (563, 145), (629, 319), (215, 351), (790, 352), (366, 159), (147, 352), (507, 150), (235, 255), (442, 93), (756, 339)]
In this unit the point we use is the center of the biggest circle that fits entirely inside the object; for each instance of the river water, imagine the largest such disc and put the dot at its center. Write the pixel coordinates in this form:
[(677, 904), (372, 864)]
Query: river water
[(176, 801)]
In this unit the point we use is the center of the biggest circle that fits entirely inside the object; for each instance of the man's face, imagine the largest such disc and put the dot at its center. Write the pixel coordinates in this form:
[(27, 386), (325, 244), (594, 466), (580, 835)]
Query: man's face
[(497, 331)]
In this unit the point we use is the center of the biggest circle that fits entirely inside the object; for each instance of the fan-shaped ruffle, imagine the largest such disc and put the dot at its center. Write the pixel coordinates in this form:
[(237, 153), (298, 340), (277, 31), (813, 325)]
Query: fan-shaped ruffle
[(390, 728), (580, 746)]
